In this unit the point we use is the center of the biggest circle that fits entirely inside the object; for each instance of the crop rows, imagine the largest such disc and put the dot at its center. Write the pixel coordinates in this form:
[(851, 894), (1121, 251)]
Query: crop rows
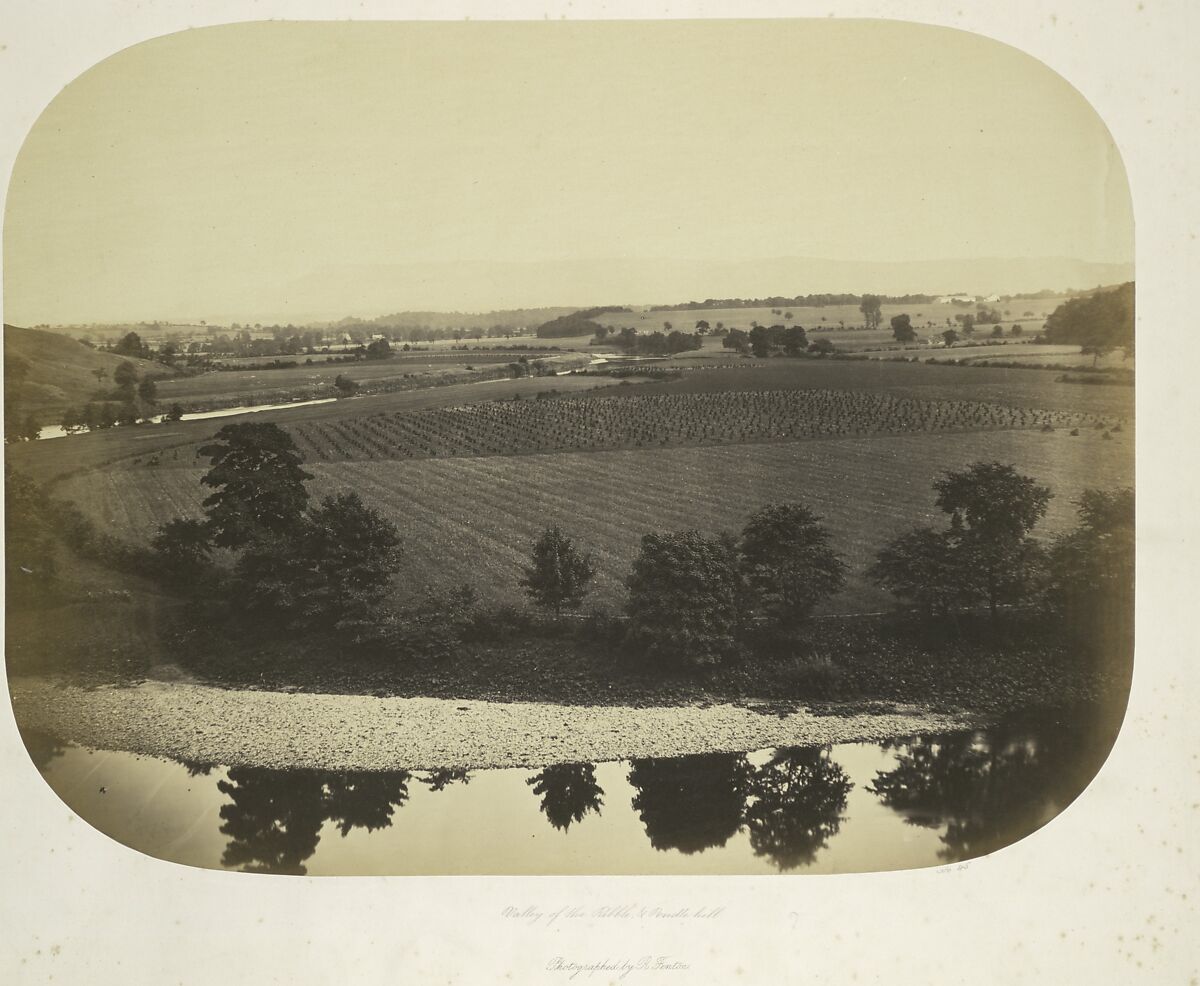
[(514, 427), (472, 519)]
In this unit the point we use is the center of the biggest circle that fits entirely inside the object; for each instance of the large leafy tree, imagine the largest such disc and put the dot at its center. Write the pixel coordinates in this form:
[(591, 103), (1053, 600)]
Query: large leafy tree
[(1091, 569), (872, 310), (685, 597), (992, 509), (256, 471), (902, 330), (1099, 323), (920, 568), (788, 562), (335, 565), (558, 575)]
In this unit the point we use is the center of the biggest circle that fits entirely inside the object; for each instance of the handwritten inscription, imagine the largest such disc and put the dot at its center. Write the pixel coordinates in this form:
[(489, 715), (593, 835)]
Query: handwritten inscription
[(533, 915), (616, 967)]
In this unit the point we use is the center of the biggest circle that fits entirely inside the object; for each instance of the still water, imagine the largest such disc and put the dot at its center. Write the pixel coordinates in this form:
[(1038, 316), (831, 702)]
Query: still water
[(855, 807)]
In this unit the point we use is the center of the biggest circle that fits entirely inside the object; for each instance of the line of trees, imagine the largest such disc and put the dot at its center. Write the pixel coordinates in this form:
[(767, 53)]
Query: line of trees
[(695, 598)]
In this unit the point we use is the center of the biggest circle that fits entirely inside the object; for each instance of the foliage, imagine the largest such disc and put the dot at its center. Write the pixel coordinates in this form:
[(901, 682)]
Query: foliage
[(920, 568), (738, 340), (902, 330), (765, 340), (569, 791), (568, 326), (685, 598), (19, 426), (184, 549), (131, 345), (798, 799), (379, 349), (1091, 569), (260, 485), (435, 628), (558, 575), (871, 309), (788, 563), (691, 803), (30, 553), (1100, 322), (992, 508), (334, 567)]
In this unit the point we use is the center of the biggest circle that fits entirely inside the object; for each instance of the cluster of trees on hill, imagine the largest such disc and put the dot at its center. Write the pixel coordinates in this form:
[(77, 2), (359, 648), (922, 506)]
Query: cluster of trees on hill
[(568, 326), (763, 341), (629, 340), (133, 398), (1099, 323)]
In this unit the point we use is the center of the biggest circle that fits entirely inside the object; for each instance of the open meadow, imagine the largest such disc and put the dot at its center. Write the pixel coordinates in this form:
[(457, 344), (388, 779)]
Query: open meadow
[(472, 519), (1031, 313)]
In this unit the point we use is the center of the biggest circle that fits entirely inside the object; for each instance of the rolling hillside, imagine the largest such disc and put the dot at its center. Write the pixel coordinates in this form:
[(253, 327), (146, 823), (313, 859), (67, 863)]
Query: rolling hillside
[(62, 371)]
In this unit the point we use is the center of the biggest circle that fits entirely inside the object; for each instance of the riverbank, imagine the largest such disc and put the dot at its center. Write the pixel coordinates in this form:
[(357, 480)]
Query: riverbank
[(203, 724)]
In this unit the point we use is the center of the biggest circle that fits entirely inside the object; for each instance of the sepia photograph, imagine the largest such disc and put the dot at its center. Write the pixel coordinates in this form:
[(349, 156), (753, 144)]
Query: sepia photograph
[(563, 448)]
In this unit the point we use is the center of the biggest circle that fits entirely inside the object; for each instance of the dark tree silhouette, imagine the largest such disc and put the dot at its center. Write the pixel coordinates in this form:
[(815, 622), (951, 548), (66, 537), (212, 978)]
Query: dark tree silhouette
[(259, 482), (365, 799), (902, 330), (686, 594), (992, 508), (568, 791), (443, 777), (691, 803), (273, 819), (788, 562), (797, 801), (989, 789), (558, 575)]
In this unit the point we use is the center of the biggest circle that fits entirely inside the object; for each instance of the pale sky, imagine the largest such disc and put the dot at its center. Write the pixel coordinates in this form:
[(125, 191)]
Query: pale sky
[(280, 171)]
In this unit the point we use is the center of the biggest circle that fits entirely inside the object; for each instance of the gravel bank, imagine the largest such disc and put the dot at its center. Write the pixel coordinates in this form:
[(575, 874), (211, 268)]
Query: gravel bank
[(357, 732)]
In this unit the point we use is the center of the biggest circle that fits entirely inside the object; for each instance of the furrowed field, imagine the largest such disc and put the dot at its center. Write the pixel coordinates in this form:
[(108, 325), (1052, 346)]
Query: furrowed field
[(472, 519), (501, 428)]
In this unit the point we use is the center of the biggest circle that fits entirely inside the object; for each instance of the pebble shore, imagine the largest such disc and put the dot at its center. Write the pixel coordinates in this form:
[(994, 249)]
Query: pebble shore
[(360, 732)]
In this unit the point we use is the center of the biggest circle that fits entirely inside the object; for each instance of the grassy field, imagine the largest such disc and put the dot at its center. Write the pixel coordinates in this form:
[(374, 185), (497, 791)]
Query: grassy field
[(306, 381), (1017, 387), (829, 317), (472, 519), (47, 461)]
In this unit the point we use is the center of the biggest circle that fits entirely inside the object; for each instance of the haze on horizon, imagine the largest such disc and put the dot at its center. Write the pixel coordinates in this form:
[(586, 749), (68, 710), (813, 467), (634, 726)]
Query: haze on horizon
[(300, 171)]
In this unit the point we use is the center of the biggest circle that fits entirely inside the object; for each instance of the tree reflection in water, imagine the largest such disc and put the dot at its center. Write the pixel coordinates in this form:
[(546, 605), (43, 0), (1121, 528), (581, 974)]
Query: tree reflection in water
[(363, 799), (797, 800), (992, 788), (691, 803), (42, 747), (439, 780), (274, 817), (568, 792)]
